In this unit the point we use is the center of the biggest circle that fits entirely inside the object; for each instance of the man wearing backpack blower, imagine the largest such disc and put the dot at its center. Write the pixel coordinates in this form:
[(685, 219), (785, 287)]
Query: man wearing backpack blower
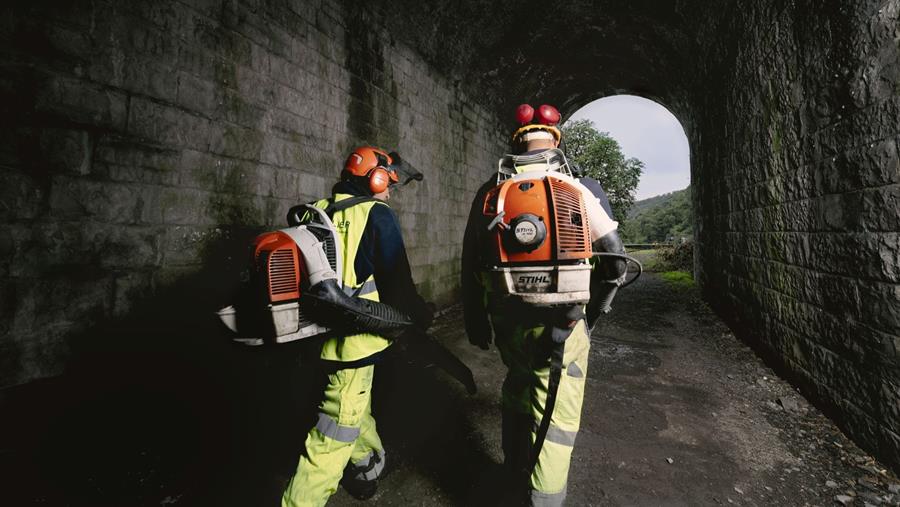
[(344, 441), (529, 272)]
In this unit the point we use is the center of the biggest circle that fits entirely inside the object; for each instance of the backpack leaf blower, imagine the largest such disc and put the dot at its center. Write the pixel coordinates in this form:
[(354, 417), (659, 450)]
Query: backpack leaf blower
[(296, 292), (541, 225)]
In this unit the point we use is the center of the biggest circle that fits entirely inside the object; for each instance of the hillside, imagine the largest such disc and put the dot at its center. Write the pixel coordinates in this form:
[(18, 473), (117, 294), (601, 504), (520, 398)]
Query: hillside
[(662, 218)]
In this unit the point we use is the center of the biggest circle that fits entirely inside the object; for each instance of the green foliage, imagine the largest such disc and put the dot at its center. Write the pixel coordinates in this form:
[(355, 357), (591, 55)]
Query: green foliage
[(601, 158), (676, 257), (660, 219), (678, 278)]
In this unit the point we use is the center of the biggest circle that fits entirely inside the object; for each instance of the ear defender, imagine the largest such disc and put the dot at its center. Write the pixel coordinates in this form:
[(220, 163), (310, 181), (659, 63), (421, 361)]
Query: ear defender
[(544, 115), (379, 179), (544, 118), (524, 114), (547, 115), (373, 164)]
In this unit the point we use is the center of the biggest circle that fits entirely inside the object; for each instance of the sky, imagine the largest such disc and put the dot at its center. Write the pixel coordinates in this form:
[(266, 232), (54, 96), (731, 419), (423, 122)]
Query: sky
[(649, 132)]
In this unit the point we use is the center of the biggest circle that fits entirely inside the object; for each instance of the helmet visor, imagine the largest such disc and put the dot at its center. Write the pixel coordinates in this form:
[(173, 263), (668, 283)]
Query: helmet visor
[(402, 171)]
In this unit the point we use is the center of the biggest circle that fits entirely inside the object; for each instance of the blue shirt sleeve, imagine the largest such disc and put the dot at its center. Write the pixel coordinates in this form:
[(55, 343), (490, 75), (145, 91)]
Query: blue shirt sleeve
[(383, 253)]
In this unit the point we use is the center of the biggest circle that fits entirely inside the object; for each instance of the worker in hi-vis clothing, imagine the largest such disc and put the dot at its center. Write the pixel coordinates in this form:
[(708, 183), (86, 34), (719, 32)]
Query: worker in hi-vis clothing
[(344, 447), (519, 330)]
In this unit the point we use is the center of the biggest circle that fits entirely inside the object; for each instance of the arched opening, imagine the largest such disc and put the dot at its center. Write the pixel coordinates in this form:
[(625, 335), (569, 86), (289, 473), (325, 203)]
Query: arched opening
[(647, 175), (649, 132)]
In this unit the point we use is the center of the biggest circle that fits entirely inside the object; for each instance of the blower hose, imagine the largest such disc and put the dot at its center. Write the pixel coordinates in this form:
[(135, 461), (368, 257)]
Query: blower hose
[(626, 258), (336, 309)]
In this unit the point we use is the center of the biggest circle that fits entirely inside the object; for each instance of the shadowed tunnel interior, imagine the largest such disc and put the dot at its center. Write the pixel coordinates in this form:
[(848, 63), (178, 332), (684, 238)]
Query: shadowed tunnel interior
[(147, 144)]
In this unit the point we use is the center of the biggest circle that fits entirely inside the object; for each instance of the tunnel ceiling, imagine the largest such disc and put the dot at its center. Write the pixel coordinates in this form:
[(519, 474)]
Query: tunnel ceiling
[(566, 53)]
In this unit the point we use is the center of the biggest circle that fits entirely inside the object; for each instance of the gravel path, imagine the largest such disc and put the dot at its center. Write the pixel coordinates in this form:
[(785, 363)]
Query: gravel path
[(677, 412)]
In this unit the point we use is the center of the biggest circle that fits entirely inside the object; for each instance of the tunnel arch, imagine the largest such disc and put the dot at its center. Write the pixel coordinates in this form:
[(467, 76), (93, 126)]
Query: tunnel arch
[(144, 141)]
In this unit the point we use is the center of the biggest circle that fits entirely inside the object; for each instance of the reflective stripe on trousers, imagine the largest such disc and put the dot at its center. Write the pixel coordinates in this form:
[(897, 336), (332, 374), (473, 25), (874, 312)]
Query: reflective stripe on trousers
[(369, 467), (525, 394), (345, 433)]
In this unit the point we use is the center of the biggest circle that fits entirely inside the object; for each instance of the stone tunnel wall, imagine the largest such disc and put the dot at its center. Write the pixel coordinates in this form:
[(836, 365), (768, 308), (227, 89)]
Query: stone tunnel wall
[(147, 142), (797, 194)]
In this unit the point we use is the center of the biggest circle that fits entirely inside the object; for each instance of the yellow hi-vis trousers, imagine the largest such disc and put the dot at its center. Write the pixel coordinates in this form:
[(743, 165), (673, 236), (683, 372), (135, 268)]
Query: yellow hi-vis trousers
[(518, 337), (344, 434)]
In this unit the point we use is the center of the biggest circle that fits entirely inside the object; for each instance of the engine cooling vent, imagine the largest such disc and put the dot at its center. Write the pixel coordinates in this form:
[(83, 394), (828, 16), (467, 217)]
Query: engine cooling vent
[(331, 252), (283, 275), (573, 236), (328, 244)]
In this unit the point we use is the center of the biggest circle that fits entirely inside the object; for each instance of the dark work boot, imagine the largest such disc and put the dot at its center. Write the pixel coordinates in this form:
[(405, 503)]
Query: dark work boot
[(361, 480)]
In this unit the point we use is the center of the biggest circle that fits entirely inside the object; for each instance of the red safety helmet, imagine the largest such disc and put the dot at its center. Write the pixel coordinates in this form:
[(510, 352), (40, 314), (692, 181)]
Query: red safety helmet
[(545, 118), (374, 164)]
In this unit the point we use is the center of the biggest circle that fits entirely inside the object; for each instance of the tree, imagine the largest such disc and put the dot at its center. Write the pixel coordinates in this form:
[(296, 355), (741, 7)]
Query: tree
[(666, 217), (601, 158)]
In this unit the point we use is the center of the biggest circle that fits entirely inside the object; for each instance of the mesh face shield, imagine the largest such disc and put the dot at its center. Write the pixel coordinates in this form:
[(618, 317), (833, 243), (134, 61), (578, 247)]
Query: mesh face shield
[(405, 171)]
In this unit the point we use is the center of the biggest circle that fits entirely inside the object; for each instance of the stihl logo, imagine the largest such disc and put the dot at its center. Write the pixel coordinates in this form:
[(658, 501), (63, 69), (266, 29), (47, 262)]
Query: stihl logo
[(523, 279)]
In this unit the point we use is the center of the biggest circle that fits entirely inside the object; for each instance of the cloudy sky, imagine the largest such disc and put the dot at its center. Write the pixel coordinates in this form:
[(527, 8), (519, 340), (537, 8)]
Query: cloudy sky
[(646, 131)]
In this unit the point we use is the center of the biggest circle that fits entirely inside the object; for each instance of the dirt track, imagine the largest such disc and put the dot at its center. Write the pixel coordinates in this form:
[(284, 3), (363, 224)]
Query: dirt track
[(677, 412)]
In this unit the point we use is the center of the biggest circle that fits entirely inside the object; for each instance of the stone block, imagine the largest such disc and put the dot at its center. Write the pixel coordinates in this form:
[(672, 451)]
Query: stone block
[(68, 151), (198, 95), (282, 183), (281, 153), (237, 109), (126, 248), (198, 169), (81, 102), (880, 209), (182, 206), (183, 245), (879, 305), (234, 141), (314, 186), (220, 39), (107, 202), (149, 77), (167, 125), (256, 88), (197, 62), (22, 197), (122, 161)]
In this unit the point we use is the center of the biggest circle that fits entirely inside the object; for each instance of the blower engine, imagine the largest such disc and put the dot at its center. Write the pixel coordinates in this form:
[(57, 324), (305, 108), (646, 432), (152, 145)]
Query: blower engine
[(539, 232), (297, 274)]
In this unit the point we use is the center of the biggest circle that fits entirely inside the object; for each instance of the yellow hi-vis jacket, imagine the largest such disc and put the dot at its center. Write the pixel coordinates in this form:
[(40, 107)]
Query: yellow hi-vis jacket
[(350, 224)]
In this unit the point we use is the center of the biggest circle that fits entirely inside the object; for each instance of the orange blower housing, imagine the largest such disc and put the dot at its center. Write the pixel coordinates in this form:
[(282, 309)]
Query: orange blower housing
[(540, 240), (286, 264), (279, 263)]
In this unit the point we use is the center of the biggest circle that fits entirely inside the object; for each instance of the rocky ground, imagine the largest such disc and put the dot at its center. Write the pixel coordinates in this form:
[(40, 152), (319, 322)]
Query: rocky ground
[(677, 412)]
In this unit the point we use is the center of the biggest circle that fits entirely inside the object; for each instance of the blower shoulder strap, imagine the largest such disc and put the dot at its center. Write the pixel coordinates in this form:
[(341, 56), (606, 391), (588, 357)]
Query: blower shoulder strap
[(556, 359), (334, 207)]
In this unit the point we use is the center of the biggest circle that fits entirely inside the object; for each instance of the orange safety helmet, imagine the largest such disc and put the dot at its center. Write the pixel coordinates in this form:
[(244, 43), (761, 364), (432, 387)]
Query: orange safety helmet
[(374, 164), (545, 118)]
